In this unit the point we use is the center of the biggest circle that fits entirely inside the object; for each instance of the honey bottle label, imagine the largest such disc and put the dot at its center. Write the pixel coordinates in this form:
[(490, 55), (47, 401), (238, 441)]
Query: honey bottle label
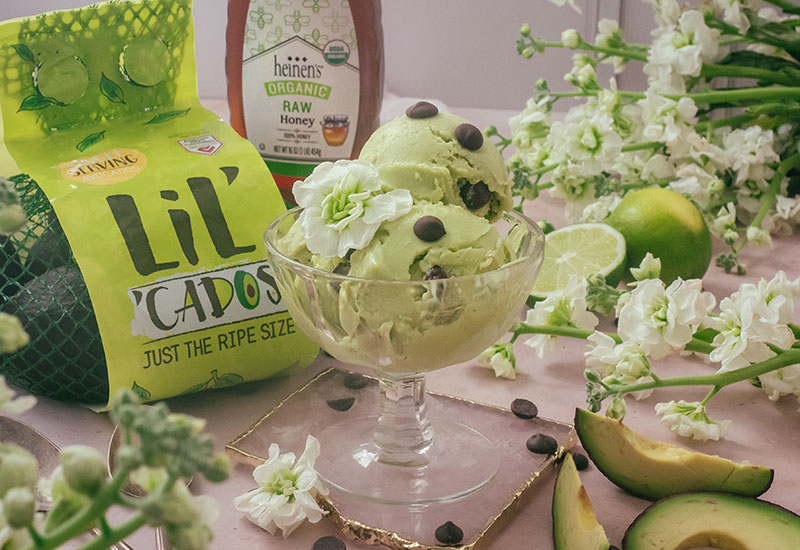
[(300, 83)]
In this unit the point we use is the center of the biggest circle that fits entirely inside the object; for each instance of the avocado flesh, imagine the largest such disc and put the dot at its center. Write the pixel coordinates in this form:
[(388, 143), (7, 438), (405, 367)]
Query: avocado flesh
[(575, 526), (715, 520), (651, 469)]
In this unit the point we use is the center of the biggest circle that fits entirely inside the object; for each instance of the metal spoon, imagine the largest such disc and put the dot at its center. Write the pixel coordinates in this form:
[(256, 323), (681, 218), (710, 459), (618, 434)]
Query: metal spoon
[(46, 453), (132, 489)]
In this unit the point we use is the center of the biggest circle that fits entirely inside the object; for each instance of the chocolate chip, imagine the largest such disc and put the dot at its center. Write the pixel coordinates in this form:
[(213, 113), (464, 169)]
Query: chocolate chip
[(449, 533), (355, 381), (436, 272), (541, 444), (475, 195), (524, 408), (581, 461), (329, 543), (422, 109), (342, 404), (429, 229), (342, 268), (469, 137)]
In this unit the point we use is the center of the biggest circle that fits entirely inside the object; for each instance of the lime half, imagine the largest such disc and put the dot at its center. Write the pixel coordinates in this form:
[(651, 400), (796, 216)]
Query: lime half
[(583, 249)]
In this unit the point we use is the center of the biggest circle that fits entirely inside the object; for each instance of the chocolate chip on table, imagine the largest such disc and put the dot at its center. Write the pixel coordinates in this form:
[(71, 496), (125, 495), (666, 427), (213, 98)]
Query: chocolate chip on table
[(524, 408), (436, 272), (475, 195), (541, 444), (329, 543), (449, 533), (581, 461), (422, 109), (429, 229), (469, 136), (355, 381), (342, 404)]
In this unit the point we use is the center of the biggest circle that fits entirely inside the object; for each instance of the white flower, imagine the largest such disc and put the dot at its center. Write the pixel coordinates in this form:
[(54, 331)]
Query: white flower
[(666, 11), (583, 74), (724, 223), (343, 206), (285, 494), (571, 3), (691, 420), (758, 237), (609, 36), (570, 38), (697, 183), (649, 268), (666, 120), (566, 308), (14, 539), (750, 319), (12, 335), (624, 363), (600, 209), (733, 15), (531, 124), (587, 137), (500, 358), (684, 48), (14, 406), (663, 320), (749, 150), (781, 382)]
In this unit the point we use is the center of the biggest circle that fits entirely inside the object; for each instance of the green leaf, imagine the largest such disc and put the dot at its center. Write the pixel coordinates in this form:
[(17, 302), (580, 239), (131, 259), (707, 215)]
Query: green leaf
[(169, 115), (36, 102), (706, 334), (229, 379), (196, 388), (140, 391), (90, 140), (24, 52), (111, 89)]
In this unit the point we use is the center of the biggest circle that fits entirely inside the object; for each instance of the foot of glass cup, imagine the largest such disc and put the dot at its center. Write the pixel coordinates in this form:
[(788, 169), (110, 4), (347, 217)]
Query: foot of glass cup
[(401, 456)]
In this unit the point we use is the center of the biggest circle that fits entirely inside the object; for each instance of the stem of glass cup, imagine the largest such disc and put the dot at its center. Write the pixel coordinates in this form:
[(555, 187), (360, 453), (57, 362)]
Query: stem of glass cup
[(403, 434)]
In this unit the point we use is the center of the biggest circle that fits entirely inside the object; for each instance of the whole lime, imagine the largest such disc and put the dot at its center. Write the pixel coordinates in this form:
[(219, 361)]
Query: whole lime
[(667, 225)]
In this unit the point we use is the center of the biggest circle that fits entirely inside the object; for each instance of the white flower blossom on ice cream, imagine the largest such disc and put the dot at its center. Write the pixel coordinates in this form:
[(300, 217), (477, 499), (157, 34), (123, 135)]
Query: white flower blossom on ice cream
[(285, 494), (343, 206), (689, 419), (501, 359), (10, 403), (663, 320), (565, 308)]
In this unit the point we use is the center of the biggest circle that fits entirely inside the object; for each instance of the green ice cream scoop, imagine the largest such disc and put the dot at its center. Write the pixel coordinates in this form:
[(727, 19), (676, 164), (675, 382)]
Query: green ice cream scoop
[(441, 158)]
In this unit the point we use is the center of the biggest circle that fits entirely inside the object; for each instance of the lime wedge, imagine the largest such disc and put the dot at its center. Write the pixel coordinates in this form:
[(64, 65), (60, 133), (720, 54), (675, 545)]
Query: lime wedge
[(583, 250)]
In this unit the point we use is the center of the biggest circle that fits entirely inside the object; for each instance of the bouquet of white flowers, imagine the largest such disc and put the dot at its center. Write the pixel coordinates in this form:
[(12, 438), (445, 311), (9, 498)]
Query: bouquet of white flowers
[(732, 150)]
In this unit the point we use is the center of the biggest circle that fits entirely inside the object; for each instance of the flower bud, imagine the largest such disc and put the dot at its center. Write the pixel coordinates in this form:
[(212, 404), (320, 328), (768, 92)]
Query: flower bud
[(218, 470), (19, 505), (12, 218), (570, 38), (18, 468), (129, 457), (525, 30), (616, 409), (84, 469)]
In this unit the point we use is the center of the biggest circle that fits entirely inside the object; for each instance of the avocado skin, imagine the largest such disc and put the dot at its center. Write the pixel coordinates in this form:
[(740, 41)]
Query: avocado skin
[(752, 481), (65, 358), (12, 274), (50, 250), (721, 526)]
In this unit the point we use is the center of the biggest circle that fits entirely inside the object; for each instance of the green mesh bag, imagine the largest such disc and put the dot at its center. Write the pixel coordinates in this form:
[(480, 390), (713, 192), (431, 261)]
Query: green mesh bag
[(41, 284)]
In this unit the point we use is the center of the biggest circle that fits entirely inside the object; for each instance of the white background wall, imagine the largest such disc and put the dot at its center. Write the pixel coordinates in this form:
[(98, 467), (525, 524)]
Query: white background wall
[(459, 51)]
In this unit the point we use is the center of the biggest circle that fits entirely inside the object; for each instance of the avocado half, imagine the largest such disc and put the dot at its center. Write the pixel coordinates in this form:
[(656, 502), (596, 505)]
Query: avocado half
[(651, 469), (575, 526), (715, 520)]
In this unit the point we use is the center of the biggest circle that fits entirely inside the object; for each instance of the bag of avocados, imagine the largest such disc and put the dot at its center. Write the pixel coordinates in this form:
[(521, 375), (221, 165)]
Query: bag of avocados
[(142, 265)]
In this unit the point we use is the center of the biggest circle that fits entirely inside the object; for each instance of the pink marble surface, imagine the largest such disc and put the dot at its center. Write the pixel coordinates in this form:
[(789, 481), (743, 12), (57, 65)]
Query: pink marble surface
[(762, 432)]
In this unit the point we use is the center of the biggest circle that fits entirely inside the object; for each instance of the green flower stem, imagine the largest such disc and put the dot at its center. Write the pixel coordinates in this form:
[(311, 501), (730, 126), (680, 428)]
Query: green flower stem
[(732, 121), (790, 357), (695, 344), (718, 96), (124, 530), (774, 186), (546, 168), (83, 520), (636, 52), (642, 146), (785, 5), (711, 394), (712, 70)]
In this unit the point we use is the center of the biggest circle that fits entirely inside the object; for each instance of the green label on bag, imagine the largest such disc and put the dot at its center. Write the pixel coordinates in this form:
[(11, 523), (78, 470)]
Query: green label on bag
[(163, 204)]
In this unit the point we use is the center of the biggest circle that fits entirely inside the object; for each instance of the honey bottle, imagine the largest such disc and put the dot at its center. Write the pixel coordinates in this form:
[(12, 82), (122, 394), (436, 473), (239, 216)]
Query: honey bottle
[(305, 80)]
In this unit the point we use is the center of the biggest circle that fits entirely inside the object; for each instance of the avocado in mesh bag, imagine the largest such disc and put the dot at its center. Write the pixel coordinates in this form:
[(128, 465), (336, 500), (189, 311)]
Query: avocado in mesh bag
[(64, 358)]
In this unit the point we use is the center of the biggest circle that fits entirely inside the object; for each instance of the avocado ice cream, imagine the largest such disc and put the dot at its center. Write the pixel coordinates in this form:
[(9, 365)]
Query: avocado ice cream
[(436, 282), (440, 157)]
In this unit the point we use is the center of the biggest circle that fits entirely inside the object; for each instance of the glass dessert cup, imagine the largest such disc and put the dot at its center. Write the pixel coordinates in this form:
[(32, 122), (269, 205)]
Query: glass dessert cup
[(399, 330)]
